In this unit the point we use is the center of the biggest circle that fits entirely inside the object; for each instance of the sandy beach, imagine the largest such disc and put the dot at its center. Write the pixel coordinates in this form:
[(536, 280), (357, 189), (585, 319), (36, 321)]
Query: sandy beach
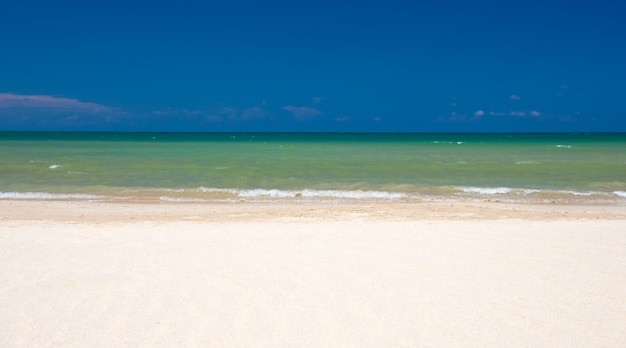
[(88, 274)]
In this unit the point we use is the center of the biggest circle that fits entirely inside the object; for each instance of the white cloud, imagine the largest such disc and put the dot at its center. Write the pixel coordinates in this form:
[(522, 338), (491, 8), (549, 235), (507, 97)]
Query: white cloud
[(514, 97), (257, 112), (17, 101), (187, 114), (533, 113), (479, 113), (225, 113), (342, 119), (302, 112), (44, 112), (455, 117)]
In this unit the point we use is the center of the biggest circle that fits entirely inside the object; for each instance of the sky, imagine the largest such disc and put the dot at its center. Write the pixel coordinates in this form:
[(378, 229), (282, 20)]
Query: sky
[(313, 66)]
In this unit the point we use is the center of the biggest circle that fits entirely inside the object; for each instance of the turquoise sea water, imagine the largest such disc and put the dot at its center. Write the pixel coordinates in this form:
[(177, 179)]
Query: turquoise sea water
[(274, 166)]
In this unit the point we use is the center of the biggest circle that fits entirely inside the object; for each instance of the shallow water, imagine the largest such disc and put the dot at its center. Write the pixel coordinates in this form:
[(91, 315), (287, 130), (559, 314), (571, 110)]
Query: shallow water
[(269, 166)]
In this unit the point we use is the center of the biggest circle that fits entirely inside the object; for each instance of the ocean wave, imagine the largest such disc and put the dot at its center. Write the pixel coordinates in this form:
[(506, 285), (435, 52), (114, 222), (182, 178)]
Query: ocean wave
[(276, 193), (564, 146), (203, 195), (181, 199), (498, 190), (45, 195), (508, 191), (485, 190), (580, 193)]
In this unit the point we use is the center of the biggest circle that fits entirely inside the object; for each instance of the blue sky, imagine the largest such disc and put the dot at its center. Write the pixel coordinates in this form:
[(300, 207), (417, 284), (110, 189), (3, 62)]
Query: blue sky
[(313, 66)]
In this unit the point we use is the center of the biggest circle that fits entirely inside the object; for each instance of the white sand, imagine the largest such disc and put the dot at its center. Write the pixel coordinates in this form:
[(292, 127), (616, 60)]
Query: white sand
[(79, 274)]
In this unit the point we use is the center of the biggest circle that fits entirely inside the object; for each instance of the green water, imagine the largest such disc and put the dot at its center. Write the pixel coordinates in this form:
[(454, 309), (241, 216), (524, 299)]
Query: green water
[(411, 164)]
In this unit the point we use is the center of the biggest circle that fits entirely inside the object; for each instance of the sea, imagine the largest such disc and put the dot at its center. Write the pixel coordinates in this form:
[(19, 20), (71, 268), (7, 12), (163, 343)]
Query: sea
[(313, 167)]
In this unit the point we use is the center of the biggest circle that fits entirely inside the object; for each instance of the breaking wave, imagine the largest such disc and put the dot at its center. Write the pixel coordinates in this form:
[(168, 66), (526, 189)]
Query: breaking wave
[(45, 195), (275, 193), (526, 192), (620, 193), (207, 195)]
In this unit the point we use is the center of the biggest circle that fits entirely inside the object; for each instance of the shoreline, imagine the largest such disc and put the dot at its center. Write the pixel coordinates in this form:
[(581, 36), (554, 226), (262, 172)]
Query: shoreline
[(124, 274), (204, 195), (137, 210)]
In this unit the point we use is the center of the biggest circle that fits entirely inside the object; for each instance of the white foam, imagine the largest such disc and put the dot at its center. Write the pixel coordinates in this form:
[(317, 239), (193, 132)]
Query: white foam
[(275, 193), (620, 193), (352, 194), (54, 166), (486, 190), (564, 146), (180, 200), (45, 195), (579, 193), (264, 193), (519, 191), (498, 190)]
